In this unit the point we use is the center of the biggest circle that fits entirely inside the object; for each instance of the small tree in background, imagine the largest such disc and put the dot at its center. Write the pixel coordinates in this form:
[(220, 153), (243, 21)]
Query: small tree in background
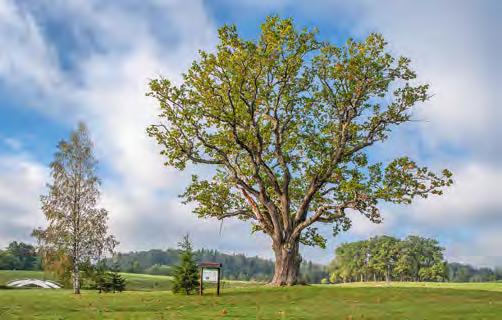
[(108, 280), (186, 276), (118, 282), (77, 231), (101, 277)]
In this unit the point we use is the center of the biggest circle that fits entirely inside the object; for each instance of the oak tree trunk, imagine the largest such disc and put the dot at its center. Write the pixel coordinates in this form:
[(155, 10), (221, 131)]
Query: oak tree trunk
[(287, 263)]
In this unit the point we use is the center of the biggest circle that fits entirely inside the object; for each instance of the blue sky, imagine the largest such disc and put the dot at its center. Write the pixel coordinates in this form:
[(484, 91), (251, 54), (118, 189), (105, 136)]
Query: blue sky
[(65, 61)]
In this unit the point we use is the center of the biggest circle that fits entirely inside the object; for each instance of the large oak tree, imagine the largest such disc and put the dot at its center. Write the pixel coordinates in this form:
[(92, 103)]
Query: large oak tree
[(286, 122)]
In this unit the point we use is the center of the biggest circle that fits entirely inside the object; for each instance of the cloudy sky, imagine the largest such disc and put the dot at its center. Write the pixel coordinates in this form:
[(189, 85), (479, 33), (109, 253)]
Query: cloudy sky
[(90, 60)]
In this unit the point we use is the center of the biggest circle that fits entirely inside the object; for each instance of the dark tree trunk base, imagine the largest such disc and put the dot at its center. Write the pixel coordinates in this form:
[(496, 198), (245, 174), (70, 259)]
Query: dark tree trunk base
[(287, 265)]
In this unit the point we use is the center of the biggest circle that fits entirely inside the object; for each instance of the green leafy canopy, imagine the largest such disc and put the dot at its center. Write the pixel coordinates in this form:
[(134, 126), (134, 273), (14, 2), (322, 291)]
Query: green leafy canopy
[(286, 122)]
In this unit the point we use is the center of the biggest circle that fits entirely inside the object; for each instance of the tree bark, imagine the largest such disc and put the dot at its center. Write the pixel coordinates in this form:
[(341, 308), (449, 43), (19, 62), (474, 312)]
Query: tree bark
[(287, 263), (76, 279)]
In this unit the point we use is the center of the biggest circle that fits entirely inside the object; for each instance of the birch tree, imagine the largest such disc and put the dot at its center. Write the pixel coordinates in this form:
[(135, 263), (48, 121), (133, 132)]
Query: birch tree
[(76, 227), (286, 122)]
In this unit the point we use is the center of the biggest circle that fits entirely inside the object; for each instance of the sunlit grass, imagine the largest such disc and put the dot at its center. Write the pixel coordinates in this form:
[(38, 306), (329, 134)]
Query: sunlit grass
[(351, 301), (367, 300), (490, 286)]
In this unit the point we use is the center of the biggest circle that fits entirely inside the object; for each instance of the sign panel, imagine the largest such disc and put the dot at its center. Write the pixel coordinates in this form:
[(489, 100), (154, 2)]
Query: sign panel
[(210, 275)]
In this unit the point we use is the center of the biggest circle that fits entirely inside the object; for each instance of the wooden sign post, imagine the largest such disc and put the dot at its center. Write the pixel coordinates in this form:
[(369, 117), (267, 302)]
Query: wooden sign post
[(210, 272)]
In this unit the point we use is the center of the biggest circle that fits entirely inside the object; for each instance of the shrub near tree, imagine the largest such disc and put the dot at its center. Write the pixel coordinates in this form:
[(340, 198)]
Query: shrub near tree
[(186, 273), (101, 278), (118, 282), (286, 122), (108, 280)]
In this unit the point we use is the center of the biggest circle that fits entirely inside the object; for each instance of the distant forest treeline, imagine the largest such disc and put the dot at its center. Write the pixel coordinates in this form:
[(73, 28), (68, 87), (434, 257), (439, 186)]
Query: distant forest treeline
[(390, 259), (413, 258), (235, 266), (458, 272), (22, 256)]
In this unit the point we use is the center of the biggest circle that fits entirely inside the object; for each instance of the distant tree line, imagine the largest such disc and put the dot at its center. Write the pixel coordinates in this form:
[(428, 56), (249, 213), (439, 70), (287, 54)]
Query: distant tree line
[(458, 272), (387, 258), (411, 259), (23, 256), (235, 266), (19, 256)]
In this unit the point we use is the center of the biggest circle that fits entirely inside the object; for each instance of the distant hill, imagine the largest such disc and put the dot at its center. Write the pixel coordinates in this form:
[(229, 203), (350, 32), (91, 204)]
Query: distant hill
[(235, 266)]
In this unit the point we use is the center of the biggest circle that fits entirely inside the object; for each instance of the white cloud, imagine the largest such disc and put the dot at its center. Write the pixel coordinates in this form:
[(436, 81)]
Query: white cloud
[(362, 227), (483, 250), (12, 143), (474, 199), (25, 58), (22, 181)]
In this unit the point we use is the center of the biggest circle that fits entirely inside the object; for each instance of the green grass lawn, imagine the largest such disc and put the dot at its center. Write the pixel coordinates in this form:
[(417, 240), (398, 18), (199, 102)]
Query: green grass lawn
[(490, 286), (351, 301), (307, 302)]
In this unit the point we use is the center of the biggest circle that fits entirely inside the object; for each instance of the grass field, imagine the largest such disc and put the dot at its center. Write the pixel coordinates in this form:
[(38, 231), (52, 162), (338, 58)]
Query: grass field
[(352, 301), (488, 286)]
